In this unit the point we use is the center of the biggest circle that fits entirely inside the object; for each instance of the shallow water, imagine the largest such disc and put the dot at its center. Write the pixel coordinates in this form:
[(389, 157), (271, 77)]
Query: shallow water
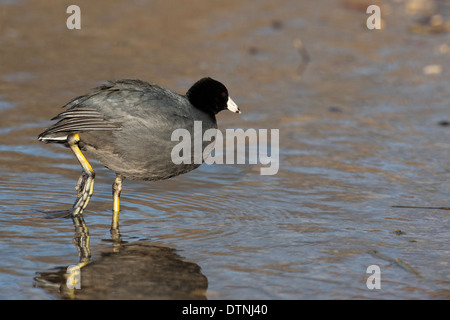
[(362, 128)]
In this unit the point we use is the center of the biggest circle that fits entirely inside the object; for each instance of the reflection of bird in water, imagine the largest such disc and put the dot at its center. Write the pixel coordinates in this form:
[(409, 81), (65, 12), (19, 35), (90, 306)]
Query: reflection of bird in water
[(137, 270)]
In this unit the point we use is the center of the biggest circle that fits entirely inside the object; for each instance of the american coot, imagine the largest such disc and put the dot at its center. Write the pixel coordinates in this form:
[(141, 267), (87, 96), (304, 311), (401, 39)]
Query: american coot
[(127, 126)]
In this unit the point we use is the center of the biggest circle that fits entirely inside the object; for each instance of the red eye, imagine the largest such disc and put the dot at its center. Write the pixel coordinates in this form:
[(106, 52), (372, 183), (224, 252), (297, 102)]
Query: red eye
[(223, 94)]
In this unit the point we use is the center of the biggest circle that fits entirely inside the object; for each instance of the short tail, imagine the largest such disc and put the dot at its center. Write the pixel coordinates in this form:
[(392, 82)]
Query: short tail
[(55, 138)]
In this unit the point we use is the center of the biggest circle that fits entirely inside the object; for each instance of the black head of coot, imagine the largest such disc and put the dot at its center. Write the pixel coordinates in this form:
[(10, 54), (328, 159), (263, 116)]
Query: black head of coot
[(210, 96)]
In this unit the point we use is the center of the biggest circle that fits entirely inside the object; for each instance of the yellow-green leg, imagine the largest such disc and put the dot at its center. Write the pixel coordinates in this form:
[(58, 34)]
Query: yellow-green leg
[(85, 186), (116, 189)]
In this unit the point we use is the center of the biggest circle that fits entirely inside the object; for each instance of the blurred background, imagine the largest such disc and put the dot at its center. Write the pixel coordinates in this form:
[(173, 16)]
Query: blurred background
[(364, 125)]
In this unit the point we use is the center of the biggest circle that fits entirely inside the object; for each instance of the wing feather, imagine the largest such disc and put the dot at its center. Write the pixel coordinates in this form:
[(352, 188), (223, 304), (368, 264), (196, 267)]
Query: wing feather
[(89, 112)]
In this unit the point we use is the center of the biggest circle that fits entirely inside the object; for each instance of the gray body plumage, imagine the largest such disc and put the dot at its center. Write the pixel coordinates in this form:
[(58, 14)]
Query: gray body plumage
[(127, 125)]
